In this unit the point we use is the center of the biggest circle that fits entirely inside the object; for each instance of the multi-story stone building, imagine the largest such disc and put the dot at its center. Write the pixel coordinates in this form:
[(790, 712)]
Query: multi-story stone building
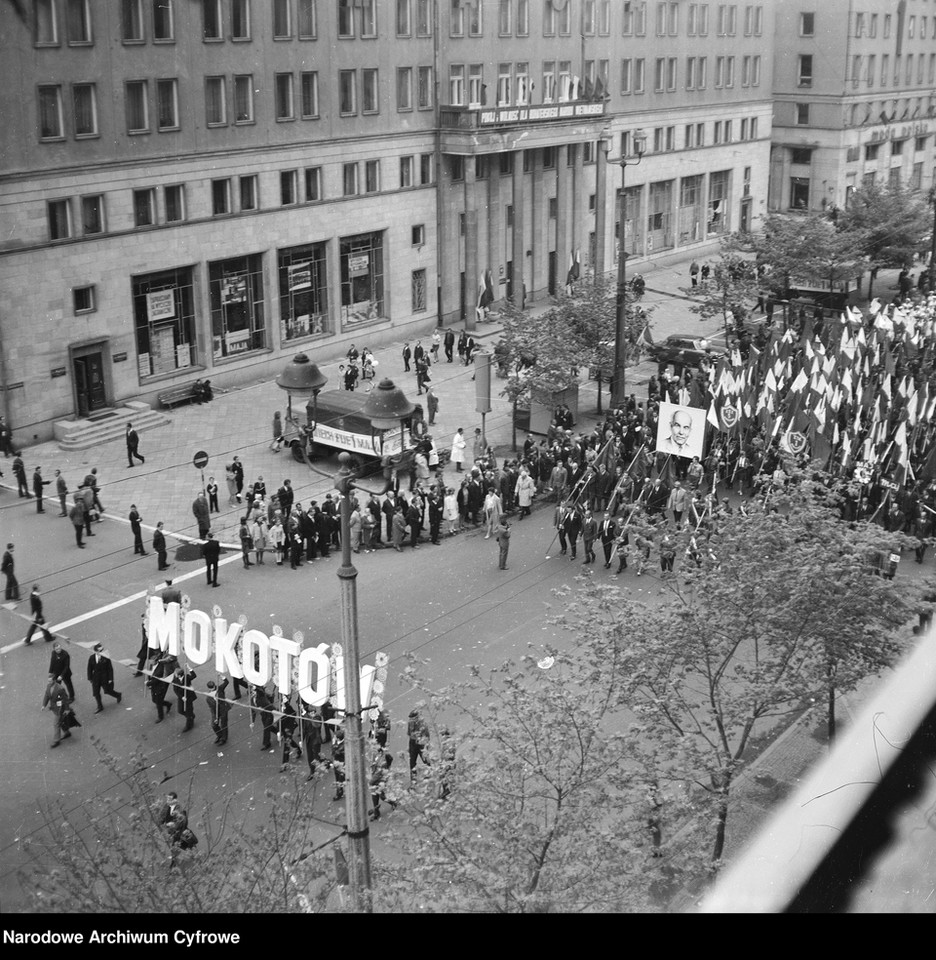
[(855, 99), (195, 189)]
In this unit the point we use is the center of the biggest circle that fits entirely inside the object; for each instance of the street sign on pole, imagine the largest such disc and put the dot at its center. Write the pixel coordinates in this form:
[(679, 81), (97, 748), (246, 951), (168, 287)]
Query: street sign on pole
[(201, 461)]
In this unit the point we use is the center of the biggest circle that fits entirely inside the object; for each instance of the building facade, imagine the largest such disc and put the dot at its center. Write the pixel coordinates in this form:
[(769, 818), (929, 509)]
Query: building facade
[(203, 189), (854, 99)]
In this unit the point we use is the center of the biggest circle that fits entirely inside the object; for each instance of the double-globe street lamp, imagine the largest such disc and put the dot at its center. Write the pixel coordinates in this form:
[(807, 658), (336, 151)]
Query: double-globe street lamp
[(618, 382), (386, 407)]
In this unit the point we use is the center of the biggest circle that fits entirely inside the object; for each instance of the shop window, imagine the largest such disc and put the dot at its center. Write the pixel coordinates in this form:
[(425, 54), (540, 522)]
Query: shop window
[(235, 289)]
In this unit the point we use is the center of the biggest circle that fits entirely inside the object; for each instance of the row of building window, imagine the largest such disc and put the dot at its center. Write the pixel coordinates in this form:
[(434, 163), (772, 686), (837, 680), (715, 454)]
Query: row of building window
[(298, 19), (358, 91), (665, 79), (866, 25), (166, 315), (865, 67), (229, 195), (887, 111)]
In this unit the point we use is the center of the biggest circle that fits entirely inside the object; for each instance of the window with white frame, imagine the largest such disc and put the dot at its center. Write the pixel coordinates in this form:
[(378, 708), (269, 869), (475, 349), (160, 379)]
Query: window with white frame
[(131, 21), (289, 187), (504, 17), (370, 102), (77, 22), (50, 112), (220, 197), (307, 19), (58, 214), (423, 18), (285, 99), (456, 18), (137, 106), (243, 98), (174, 202), (167, 105), (457, 84), (347, 92), (476, 87), (349, 179), (215, 102), (84, 299), (504, 77), (309, 94), (240, 19), (371, 176), (45, 23), (212, 23), (313, 184), (424, 98), (404, 88), (92, 214), (406, 172), (84, 109), (404, 18), (425, 168), (282, 20), (164, 21), (523, 18), (144, 207)]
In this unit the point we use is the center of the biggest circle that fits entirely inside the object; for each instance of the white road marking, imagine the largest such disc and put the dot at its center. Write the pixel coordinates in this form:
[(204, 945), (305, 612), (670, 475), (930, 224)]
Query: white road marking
[(100, 611)]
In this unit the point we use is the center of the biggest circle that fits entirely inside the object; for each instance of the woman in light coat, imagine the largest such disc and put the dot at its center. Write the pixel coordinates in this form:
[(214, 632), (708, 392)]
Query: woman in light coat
[(258, 531), (524, 491), (493, 508), (278, 539), (450, 511)]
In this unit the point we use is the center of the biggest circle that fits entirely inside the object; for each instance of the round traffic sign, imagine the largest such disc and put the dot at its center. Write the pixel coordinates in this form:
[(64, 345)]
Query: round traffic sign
[(200, 459)]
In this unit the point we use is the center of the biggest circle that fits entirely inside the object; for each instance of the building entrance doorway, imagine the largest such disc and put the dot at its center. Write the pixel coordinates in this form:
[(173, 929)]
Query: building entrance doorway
[(90, 389)]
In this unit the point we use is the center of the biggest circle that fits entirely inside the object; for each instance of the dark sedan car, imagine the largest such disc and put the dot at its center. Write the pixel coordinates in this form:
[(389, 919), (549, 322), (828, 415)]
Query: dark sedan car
[(682, 351)]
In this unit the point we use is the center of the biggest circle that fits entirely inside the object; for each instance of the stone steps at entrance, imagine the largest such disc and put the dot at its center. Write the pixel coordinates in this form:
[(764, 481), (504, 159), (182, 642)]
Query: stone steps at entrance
[(103, 426)]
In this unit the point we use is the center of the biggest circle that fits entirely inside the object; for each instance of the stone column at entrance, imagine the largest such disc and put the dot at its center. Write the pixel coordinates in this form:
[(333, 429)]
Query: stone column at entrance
[(563, 204), (519, 244), (472, 266)]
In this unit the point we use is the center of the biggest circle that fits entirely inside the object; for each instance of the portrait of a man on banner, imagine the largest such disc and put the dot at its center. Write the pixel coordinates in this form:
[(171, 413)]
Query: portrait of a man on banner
[(680, 430)]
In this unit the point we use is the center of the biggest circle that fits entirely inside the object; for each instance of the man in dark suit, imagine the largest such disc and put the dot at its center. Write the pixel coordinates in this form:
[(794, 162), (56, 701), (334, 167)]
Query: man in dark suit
[(219, 708), (60, 667), (211, 551), (38, 621), (589, 535), (607, 532), (572, 527), (159, 684), (133, 442), (101, 676), (38, 483), (449, 345), (136, 525), (159, 545), (185, 695), (7, 567)]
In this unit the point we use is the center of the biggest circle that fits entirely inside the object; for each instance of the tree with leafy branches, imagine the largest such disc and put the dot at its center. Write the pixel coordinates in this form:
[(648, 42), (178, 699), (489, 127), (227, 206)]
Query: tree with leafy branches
[(727, 293), (809, 250), (543, 354), (785, 609), (547, 809), (893, 223), (113, 854)]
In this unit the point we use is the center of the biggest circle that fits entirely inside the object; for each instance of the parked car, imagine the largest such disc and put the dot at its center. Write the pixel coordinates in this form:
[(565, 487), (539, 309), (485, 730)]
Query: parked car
[(682, 351)]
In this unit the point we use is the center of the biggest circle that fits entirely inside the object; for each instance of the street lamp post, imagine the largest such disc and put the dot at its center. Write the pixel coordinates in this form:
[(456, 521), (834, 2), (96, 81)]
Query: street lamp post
[(618, 382), (386, 407)]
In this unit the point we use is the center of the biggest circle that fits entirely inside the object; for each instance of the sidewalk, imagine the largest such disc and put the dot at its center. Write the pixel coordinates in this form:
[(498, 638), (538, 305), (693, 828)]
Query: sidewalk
[(239, 421)]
